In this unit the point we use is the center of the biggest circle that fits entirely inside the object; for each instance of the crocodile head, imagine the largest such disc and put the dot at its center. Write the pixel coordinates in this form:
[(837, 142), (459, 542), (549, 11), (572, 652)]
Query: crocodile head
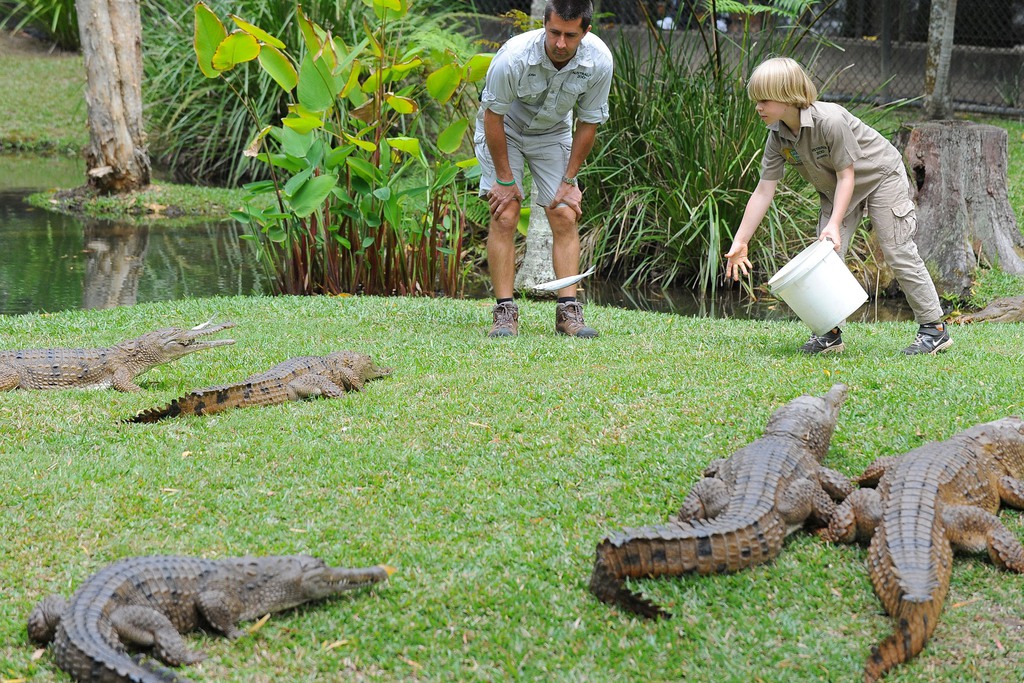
[(281, 582), (812, 419), (171, 343)]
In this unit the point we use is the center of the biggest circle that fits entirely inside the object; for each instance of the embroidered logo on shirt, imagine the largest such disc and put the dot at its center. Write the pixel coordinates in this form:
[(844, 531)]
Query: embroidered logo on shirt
[(820, 152), (792, 156)]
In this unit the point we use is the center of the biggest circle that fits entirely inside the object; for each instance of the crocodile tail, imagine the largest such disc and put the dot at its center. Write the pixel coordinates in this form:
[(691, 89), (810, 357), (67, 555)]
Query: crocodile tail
[(200, 402), (702, 547), (90, 658), (610, 587), (915, 624), (150, 415)]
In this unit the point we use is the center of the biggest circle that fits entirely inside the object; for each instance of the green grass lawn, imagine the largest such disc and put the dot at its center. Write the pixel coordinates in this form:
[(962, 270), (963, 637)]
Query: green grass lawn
[(486, 471), (43, 106)]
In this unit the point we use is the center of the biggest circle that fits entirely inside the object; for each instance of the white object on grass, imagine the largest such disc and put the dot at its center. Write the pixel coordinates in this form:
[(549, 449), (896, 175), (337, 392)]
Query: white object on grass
[(556, 285)]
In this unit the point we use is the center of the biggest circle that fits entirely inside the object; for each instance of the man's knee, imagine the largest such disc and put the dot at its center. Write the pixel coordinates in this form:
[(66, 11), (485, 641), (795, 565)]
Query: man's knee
[(562, 219)]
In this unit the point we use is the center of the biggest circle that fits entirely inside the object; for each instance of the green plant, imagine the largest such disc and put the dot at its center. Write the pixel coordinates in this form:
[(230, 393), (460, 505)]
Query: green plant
[(364, 197), (681, 115), (57, 18)]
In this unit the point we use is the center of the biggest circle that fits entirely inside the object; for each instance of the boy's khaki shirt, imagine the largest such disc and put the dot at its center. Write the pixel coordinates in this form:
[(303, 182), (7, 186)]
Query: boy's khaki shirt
[(830, 139)]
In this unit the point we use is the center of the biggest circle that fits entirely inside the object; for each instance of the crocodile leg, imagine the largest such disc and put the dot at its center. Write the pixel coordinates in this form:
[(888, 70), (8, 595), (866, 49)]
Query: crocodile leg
[(836, 484), (312, 386), (706, 499), (855, 518), (124, 380), (221, 611), (147, 627), (9, 378), (45, 618), (974, 530), (1011, 492)]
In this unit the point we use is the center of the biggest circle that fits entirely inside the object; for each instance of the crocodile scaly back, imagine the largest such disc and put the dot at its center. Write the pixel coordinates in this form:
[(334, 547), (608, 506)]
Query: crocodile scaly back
[(740, 513), (934, 499)]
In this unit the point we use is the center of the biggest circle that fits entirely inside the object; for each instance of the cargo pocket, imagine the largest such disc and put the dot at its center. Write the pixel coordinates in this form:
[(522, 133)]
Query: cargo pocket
[(904, 223)]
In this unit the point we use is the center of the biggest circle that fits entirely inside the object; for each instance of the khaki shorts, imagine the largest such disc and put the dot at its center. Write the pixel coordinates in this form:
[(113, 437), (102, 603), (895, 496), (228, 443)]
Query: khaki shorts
[(546, 155)]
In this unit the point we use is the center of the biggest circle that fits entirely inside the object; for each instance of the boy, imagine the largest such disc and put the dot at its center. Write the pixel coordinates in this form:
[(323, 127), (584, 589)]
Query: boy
[(853, 168)]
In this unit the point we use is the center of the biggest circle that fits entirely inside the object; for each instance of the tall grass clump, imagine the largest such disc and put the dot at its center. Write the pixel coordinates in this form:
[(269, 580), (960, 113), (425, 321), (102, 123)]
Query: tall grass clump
[(681, 117), (56, 18)]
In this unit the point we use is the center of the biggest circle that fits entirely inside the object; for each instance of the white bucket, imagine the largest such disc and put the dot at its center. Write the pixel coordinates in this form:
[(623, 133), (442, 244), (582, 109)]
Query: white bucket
[(819, 287)]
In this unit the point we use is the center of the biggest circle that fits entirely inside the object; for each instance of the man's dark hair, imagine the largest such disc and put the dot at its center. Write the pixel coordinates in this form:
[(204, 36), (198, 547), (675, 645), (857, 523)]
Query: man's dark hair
[(569, 10)]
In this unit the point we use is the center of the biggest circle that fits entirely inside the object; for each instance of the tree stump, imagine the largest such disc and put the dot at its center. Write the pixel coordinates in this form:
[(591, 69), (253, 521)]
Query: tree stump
[(958, 179)]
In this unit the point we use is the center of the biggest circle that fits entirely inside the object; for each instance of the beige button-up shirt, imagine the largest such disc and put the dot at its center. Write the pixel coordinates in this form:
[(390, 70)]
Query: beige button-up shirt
[(525, 87), (830, 139)]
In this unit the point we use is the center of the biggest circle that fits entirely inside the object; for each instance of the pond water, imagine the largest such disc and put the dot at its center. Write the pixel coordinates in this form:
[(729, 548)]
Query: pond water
[(51, 262)]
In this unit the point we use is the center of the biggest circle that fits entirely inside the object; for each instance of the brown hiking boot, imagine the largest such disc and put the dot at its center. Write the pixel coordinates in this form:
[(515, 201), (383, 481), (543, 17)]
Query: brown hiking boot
[(569, 321), (506, 320)]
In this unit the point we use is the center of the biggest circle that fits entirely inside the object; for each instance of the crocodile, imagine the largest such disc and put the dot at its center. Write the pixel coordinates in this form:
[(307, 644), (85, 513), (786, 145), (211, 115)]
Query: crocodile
[(149, 602), (101, 368), (738, 515), (1005, 310), (294, 379), (936, 498)]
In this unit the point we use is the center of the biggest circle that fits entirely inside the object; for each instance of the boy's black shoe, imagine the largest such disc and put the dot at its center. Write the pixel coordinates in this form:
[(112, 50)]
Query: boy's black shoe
[(931, 338), (830, 342)]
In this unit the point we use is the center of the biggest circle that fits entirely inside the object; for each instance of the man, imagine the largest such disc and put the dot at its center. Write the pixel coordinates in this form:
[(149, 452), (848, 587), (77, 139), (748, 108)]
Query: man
[(535, 83)]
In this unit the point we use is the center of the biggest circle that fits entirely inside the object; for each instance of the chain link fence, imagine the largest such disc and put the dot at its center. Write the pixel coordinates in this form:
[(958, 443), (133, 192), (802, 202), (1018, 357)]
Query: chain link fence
[(875, 51)]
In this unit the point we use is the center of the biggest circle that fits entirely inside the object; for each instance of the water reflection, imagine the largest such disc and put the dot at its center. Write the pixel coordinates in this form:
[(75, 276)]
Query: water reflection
[(54, 262)]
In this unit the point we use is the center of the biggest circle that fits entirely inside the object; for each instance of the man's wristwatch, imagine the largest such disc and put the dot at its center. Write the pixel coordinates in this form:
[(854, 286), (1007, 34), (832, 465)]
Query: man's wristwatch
[(569, 181)]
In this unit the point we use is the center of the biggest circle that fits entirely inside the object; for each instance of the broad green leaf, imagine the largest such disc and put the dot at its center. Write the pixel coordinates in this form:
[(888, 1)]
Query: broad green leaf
[(353, 79), (371, 82), (237, 48), (363, 144), (403, 68), (476, 67), (388, 9), (276, 233), (309, 33), (337, 156), (279, 67), (302, 121), (312, 194), (256, 32), (403, 105), (441, 84), (375, 48), (450, 139), (382, 193), (363, 168), (209, 32), (406, 144), (296, 182), (367, 241), (315, 87), (293, 142)]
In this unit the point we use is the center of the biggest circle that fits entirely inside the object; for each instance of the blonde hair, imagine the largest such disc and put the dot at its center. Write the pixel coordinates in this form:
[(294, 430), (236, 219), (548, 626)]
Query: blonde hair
[(782, 79)]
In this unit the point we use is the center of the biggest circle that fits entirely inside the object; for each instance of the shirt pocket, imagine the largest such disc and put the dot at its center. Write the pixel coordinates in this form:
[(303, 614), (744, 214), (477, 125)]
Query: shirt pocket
[(531, 90), (904, 223), (571, 91)]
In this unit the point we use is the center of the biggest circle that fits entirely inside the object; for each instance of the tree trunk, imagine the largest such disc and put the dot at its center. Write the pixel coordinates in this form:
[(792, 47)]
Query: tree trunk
[(958, 179), (938, 100), (116, 158), (536, 266)]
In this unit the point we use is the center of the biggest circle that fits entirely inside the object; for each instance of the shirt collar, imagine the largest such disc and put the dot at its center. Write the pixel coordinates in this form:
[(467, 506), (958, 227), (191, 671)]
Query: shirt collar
[(539, 56), (806, 121)]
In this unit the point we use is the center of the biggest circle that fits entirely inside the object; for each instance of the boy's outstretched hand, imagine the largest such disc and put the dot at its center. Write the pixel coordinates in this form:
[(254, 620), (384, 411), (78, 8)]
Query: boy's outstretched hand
[(738, 262)]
